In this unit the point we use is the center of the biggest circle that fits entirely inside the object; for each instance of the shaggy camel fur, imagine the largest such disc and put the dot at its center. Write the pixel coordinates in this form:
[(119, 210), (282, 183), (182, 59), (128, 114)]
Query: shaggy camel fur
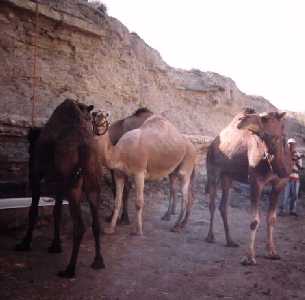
[(250, 149), (153, 151), (66, 154)]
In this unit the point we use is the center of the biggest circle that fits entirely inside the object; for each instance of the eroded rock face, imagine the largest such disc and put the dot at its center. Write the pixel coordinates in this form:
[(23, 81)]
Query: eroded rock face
[(85, 54)]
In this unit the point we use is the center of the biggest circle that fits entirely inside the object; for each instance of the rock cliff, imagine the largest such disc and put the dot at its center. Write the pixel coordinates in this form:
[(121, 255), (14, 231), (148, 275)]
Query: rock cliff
[(85, 54)]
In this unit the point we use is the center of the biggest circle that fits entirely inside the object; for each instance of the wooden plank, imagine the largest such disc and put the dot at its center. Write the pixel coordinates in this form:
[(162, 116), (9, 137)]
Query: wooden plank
[(8, 203)]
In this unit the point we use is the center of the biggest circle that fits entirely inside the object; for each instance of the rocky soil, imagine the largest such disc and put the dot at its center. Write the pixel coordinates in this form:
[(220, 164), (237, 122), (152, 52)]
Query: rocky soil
[(162, 264)]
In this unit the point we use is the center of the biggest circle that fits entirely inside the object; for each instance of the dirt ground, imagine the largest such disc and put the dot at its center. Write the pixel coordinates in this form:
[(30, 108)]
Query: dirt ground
[(162, 264)]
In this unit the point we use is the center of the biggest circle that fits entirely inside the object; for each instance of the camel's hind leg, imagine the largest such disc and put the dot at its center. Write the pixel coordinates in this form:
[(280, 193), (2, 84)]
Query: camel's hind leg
[(93, 198), (226, 182), (139, 182), (74, 198), (189, 204), (57, 212), (172, 198), (212, 197), (185, 185), (119, 187)]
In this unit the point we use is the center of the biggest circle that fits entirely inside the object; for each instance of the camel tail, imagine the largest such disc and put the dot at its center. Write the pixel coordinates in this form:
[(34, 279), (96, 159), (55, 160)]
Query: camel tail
[(211, 179), (193, 176), (33, 136)]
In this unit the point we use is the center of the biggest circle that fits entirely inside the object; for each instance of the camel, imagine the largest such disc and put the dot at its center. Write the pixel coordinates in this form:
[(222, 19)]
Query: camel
[(116, 130), (250, 149), (155, 150), (66, 153)]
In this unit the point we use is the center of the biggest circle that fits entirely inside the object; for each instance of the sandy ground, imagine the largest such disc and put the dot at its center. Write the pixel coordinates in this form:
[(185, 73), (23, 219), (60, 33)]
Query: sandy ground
[(162, 264)]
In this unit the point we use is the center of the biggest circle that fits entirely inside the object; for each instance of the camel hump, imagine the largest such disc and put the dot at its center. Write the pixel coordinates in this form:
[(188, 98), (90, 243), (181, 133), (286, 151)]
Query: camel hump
[(157, 122)]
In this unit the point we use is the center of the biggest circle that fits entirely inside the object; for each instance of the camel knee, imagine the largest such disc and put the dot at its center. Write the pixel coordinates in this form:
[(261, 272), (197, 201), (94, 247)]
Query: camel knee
[(272, 220), (254, 225), (222, 208), (139, 204)]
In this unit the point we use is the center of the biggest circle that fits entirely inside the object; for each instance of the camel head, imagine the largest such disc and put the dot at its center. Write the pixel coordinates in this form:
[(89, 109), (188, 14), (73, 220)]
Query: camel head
[(270, 127), (101, 122), (84, 109)]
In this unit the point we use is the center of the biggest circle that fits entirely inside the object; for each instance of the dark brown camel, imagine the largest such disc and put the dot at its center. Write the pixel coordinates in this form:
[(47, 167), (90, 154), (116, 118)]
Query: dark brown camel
[(65, 154), (116, 130), (250, 149)]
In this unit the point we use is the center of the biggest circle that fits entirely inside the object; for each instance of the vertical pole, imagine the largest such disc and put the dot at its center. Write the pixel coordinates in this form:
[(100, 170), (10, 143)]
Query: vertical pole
[(34, 78)]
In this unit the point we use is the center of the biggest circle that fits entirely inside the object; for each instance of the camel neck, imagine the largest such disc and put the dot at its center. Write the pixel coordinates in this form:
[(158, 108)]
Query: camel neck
[(107, 151)]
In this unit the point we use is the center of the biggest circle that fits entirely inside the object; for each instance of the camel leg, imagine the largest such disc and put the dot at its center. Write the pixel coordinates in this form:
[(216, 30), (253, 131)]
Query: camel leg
[(74, 198), (25, 245), (139, 182), (188, 206), (55, 247), (119, 187), (98, 262), (184, 201), (172, 198), (212, 197), (124, 220), (271, 220), (256, 190), (223, 208)]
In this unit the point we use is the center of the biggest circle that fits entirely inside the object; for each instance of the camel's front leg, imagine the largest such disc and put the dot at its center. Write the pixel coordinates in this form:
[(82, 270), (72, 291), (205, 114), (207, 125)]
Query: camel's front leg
[(256, 190), (119, 187), (25, 245), (271, 219), (124, 220), (139, 182)]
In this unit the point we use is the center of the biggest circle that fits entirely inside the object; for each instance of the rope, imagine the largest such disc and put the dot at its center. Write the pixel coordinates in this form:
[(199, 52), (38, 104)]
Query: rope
[(34, 78)]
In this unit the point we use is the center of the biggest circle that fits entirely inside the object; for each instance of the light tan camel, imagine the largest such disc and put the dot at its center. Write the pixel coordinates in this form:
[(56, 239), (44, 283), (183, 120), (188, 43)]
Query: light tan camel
[(155, 150)]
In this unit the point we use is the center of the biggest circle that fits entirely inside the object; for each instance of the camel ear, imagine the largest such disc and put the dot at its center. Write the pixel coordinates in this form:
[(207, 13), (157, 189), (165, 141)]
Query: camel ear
[(281, 115), (90, 108)]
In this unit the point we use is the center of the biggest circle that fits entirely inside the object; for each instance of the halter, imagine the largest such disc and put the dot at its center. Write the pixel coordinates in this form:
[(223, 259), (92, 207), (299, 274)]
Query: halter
[(265, 137), (96, 127)]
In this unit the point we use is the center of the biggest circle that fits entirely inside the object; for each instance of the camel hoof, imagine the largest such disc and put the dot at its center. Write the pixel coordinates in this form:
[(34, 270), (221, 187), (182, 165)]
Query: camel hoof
[(108, 219), (23, 246), (98, 263), (109, 230), (166, 217), (232, 244), (176, 228), (136, 233), (124, 221), (248, 261), (68, 273), (273, 256), (210, 239), (55, 248)]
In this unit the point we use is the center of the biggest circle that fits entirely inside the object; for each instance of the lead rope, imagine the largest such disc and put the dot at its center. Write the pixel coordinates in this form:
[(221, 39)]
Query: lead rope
[(34, 77)]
